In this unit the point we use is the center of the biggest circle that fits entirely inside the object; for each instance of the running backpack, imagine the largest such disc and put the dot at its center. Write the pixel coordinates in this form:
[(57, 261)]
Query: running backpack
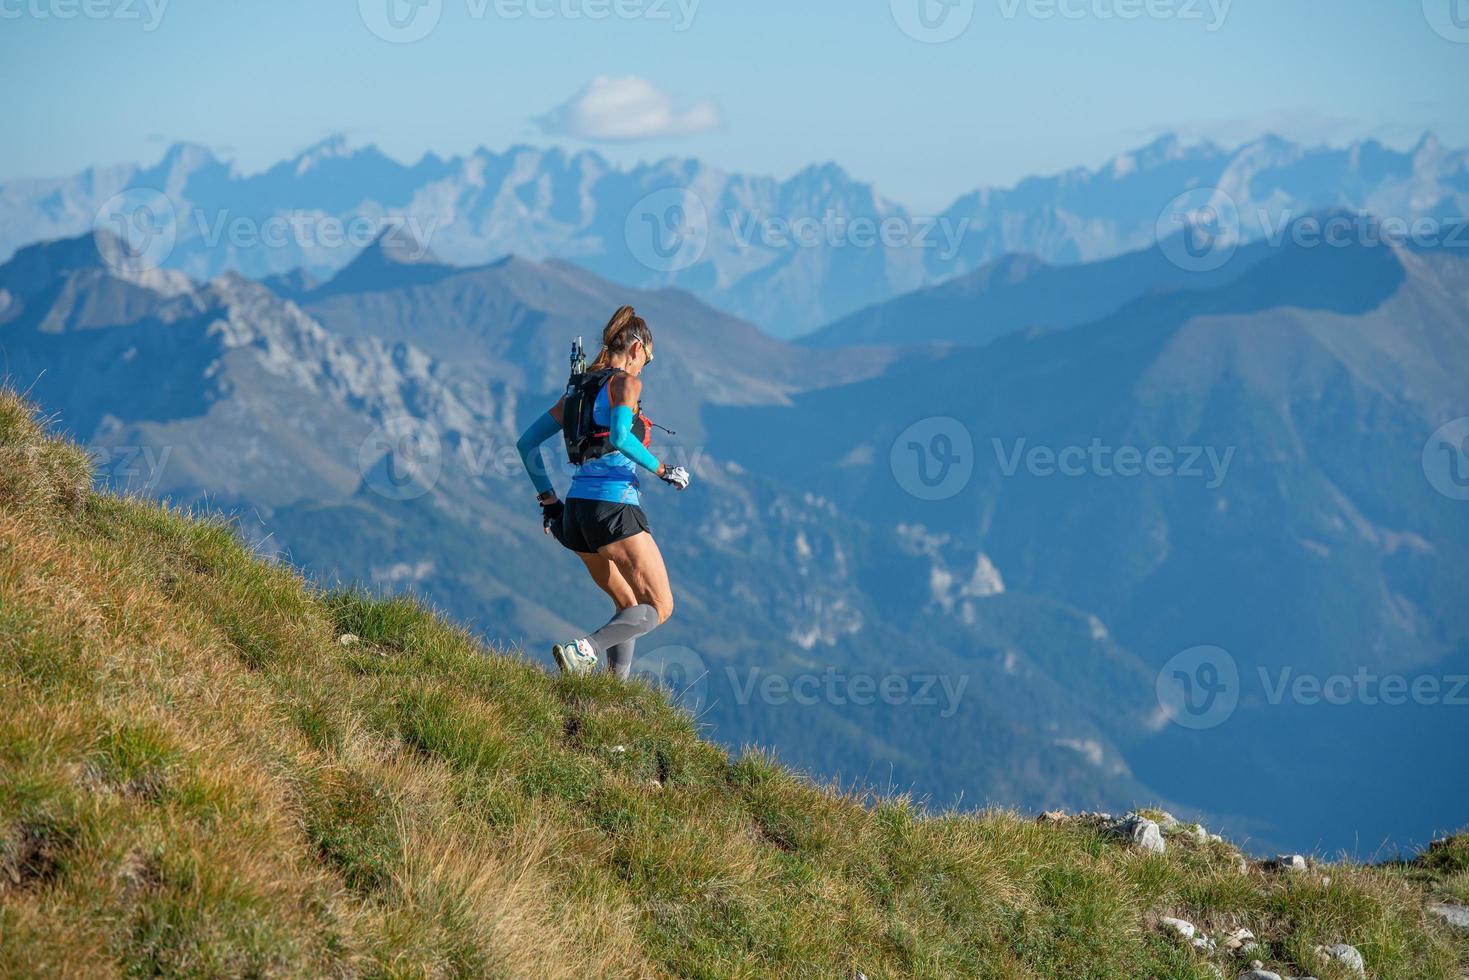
[(585, 439)]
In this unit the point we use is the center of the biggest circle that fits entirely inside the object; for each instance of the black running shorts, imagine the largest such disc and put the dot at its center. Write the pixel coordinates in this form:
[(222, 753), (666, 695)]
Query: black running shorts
[(587, 526)]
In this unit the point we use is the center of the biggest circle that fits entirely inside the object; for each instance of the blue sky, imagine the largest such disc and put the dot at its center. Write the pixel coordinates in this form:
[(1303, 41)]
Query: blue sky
[(759, 85)]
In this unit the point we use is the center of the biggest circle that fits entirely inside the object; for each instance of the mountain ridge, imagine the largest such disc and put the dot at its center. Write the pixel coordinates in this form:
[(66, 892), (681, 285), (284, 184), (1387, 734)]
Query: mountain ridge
[(744, 249)]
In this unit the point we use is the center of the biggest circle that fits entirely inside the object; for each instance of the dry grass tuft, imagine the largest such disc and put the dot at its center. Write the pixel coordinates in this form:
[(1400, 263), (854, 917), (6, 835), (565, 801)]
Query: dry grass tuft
[(37, 470)]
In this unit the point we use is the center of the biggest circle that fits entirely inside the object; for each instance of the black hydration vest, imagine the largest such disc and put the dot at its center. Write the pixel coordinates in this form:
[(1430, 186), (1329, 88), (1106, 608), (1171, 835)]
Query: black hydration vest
[(585, 439)]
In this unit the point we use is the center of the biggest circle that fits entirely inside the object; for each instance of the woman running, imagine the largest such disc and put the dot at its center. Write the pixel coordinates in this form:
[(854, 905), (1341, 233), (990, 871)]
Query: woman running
[(602, 520)]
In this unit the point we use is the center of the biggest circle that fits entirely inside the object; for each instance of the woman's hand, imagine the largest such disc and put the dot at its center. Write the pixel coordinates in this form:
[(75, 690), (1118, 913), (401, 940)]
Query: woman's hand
[(675, 476), (551, 511)]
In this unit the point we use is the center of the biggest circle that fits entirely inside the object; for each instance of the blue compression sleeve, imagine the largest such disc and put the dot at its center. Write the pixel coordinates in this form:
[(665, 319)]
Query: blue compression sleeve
[(626, 443), (529, 446)]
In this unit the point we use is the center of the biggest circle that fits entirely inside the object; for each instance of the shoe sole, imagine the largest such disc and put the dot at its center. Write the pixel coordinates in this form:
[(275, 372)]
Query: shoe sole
[(560, 660)]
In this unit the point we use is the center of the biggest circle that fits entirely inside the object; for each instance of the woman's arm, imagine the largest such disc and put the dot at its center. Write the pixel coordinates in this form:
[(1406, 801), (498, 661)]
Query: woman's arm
[(623, 394), (529, 447)]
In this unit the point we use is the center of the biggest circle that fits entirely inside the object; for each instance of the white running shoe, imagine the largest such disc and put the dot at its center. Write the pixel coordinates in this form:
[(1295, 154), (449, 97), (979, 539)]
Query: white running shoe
[(576, 657)]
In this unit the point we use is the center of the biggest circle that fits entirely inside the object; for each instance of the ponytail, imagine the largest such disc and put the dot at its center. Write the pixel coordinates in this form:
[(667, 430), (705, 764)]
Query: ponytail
[(622, 331)]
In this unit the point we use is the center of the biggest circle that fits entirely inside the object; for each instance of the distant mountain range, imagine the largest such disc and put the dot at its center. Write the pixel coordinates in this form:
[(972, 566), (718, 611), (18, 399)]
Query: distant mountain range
[(790, 255), (1304, 539)]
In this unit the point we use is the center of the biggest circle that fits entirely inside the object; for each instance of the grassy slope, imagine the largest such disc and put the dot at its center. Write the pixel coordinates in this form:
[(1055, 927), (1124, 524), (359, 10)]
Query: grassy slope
[(197, 777)]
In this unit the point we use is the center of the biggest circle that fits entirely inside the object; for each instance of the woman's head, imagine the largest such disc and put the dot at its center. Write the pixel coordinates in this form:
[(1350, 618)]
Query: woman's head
[(627, 343)]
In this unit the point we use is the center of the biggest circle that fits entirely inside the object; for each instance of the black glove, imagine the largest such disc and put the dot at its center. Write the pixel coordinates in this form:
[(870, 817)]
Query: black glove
[(551, 513)]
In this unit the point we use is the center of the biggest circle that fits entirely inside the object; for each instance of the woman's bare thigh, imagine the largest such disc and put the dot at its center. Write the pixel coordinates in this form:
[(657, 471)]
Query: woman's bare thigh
[(609, 580), (641, 564)]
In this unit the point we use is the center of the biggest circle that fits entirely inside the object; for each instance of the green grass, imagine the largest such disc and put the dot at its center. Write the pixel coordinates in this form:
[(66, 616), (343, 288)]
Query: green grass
[(198, 777)]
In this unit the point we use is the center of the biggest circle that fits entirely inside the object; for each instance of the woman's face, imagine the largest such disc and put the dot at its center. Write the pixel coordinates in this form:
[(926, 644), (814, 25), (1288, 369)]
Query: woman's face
[(639, 357)]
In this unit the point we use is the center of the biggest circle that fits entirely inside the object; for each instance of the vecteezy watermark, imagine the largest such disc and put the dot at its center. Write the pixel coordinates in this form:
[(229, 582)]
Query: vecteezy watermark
[(687, 678), (409, 235), (405, 458), (667, 230), (678, 670), (140, 228), (130, 468), (670, 230), (401, 21), (1448, 18), (406, 21), (839, 688), (933, 21), (1199, 230), (834, 230), (1099, 459), (1446, 459), (149, 13), (1363, 687), (1199, 688), (679, 13), (135, 230), (1361, 228), (937, 21), (933, 459), (402, 459), (499, 458), (1211, 13)]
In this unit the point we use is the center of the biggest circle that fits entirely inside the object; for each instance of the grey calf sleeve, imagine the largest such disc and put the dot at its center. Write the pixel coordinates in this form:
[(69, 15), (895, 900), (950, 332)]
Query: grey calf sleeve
[(628, 624), (619, 658)]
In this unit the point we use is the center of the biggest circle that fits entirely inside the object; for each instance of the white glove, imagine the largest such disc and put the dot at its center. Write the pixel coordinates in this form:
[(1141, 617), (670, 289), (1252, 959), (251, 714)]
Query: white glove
[(676, 477)]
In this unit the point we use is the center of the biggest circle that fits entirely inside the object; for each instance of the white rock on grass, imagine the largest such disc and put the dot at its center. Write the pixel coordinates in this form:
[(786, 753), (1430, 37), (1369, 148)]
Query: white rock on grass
[(1190, 932), (1238, 939), (1144, 833), (1289, 862), (1455, 915), (1185, 929), (1346, 955), (1259, 975)]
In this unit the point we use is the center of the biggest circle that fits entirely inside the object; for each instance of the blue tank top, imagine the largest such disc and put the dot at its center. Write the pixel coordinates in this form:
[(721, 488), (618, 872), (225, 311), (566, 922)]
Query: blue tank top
[(613, 477)]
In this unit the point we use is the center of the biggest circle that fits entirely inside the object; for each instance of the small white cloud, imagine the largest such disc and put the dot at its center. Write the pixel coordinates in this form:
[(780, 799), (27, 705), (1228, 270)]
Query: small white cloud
[(628, 108)]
